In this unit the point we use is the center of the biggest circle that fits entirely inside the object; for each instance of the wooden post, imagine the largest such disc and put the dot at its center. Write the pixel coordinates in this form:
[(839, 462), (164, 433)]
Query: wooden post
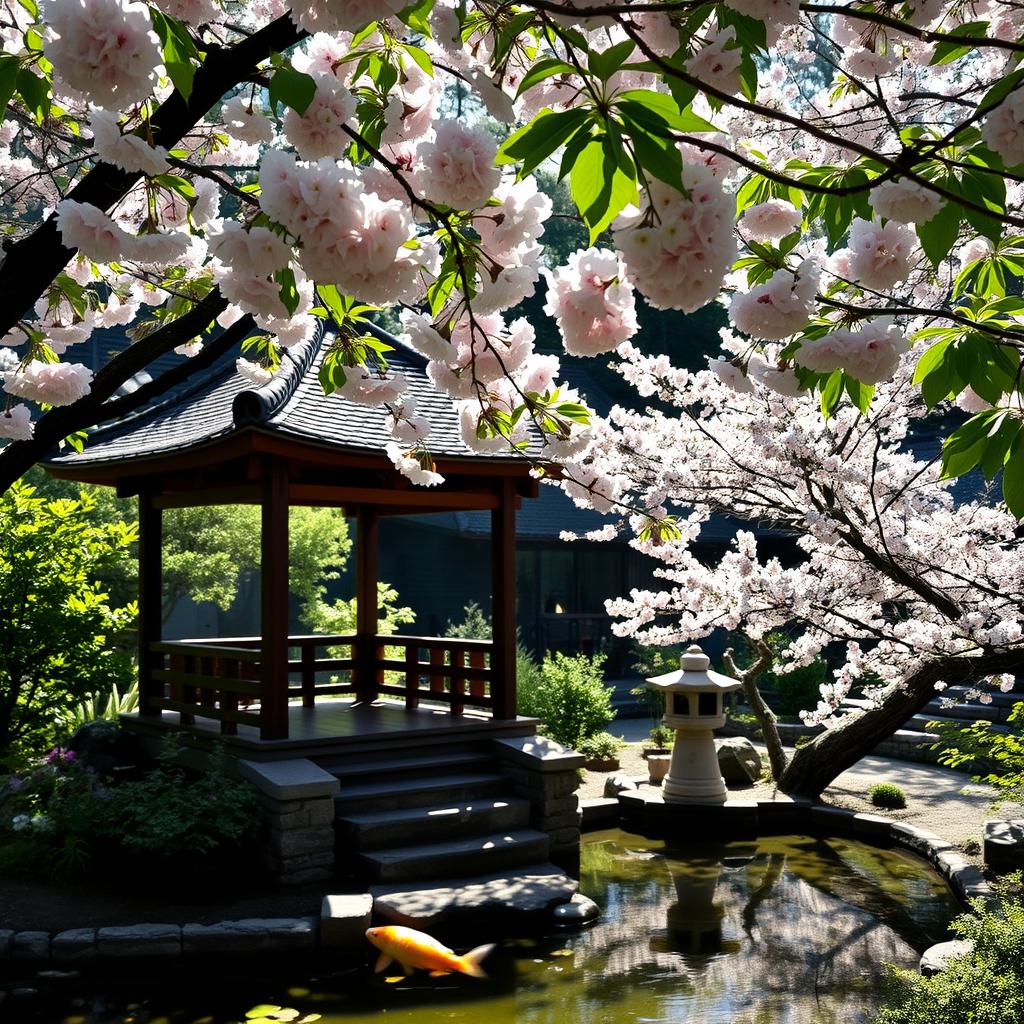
[(308, 658), (503, 602), (367, 572), (150, 602), (274, 602)]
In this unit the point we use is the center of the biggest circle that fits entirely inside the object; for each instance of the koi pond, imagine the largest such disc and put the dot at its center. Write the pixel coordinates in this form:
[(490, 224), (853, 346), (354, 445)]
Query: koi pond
[(781, 930)]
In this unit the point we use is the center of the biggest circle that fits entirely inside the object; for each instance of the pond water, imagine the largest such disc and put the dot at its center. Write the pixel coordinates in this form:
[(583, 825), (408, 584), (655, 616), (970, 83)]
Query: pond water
[(782, 930)]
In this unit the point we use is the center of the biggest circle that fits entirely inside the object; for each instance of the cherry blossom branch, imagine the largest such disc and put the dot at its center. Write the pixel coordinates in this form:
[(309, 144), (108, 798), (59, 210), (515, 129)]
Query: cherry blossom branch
[(901, 165), (31, 263)]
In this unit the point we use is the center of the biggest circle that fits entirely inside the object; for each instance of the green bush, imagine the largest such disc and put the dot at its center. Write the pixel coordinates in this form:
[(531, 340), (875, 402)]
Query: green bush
[(61, 641), (60, 819), (601, 746), (887, 794), (570, 698), (985, 986), (997, 756), (662, 736)]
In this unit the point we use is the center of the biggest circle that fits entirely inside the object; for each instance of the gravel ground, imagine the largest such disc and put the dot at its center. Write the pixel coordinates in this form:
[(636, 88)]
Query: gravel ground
[(938, 799)]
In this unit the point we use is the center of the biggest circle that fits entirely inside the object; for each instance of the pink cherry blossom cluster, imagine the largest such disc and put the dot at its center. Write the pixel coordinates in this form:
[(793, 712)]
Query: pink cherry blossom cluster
[(870, 354), (592, 302), (780, 307), (106, 50), (52, 383), (349, 237), (679, 260)]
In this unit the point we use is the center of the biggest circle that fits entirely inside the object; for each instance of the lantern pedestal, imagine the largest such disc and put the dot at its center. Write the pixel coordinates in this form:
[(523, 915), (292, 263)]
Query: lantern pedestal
[(694, 776)]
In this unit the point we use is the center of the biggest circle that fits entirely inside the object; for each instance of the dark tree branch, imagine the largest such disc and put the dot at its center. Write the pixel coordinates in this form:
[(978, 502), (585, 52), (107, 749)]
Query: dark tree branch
[(53, 426)]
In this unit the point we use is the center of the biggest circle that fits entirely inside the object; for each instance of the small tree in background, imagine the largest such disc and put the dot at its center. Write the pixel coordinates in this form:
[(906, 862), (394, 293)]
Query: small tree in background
[(476, 626), (58, 631)]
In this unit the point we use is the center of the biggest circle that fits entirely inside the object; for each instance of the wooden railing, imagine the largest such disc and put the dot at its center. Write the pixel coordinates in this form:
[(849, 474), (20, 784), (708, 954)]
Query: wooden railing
[(440, 670), (221, 679)]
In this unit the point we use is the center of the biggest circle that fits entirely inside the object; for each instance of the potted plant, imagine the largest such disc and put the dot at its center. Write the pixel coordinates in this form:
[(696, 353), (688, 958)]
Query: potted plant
[(601, 751), (661, 741)]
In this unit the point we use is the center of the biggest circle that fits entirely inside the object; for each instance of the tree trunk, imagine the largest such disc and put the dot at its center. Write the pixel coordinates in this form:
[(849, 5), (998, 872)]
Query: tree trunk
[(765, 716), (814, 765), (769, 727)]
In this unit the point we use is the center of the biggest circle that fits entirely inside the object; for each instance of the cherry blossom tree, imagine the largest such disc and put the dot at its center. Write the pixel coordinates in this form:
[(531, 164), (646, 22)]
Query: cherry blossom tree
[(844, 178), (915, 589)]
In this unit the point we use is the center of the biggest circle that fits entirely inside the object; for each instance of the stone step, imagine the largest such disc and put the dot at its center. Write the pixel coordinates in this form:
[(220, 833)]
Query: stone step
[(961, 712), (393, 795), (921, 722), (476, 901), (999, 699), (374, 830), (371, 770), (468, 856), (917, 736)]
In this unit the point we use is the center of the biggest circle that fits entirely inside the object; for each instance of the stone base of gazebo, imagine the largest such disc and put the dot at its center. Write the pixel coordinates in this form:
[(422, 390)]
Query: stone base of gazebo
[(379, 794)]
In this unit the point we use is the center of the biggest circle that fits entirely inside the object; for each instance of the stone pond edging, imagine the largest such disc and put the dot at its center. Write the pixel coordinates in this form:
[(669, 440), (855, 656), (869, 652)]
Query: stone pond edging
[(645, 812), (340, 928)]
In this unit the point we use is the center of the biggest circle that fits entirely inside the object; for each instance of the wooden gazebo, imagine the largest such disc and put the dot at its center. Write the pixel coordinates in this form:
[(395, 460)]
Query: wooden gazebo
[(224, 441)]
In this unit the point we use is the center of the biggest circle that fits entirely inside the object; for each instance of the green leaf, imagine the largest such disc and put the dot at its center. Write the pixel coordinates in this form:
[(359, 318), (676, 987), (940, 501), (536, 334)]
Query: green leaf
[(599, 186), (292, 88), (831, 392), (1000, 441), (931, 360), (542, 69), (9, 66), (660, 113), (289, 293), (417, 15), (421, 57), (656, 156), (536, 141), (36, 94), (945, 52), (859, 392), (938, 234), (178, 51), (605, 63), (1013, 483)]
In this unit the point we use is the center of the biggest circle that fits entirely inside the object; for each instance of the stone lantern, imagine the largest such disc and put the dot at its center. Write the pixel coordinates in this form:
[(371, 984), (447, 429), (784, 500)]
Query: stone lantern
[(693, 707)]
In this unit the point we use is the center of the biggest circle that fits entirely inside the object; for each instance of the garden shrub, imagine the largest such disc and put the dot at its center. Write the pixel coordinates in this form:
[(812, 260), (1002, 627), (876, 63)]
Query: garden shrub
[(61, 819), (662, 736), (985, 986), (570, 699), (60, 638), (887, 794), (602, 746), (997, 756)]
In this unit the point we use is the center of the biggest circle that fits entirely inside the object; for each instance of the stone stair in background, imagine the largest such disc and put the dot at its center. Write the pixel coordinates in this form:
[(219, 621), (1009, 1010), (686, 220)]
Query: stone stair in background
[(916, 741)]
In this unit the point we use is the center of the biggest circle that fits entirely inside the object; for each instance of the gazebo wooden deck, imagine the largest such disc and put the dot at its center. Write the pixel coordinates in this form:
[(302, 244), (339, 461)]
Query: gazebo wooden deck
[(284, 444)]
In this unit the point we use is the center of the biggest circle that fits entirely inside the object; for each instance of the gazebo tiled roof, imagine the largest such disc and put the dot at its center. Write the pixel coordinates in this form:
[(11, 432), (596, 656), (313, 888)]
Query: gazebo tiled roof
[(292, 405)]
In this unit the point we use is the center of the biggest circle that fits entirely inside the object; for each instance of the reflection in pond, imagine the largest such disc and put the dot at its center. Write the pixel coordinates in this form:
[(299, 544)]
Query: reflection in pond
[(784, 930)]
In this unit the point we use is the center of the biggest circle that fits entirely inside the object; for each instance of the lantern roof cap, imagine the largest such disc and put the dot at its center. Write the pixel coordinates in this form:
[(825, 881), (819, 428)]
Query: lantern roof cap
[(694, 676)]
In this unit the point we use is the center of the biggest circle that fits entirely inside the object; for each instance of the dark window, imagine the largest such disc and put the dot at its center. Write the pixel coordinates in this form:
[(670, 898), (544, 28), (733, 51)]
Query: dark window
[(680, 704), (708, 704)]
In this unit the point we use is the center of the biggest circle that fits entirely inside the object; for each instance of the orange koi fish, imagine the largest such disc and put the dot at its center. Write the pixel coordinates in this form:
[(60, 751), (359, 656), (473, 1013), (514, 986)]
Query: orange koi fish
[(413, 949)]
